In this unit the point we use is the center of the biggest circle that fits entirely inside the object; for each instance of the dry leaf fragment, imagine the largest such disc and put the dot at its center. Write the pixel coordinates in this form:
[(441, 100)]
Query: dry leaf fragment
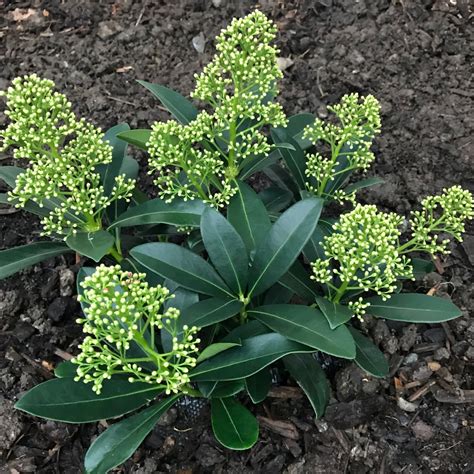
[(23, 14)]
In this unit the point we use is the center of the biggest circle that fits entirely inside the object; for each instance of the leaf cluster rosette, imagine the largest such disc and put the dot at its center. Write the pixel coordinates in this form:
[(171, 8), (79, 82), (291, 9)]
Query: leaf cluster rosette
[(269, 278)]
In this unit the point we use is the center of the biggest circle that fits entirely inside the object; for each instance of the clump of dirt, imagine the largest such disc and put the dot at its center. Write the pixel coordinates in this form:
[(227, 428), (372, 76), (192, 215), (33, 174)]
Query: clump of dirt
[(412, 56)]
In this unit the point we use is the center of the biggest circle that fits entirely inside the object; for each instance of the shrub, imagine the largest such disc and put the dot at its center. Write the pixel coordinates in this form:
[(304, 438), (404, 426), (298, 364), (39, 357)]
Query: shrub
[(267, 279)]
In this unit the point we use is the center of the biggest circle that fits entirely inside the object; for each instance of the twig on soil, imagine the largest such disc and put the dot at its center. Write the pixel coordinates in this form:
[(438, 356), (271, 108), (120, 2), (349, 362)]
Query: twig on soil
[(63, 354), (415, 383), (140, 16), (422, 391), (122, 101), (426, 347), (283, 428), (46, 373), (318, 83), (448, 448), (449, 334), (182, 431), (285, 392), (465, 396), (342, 438)]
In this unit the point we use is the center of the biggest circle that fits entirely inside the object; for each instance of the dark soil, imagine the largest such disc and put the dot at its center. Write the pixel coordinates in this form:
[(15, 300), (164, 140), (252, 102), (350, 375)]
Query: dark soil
[(415, 57)]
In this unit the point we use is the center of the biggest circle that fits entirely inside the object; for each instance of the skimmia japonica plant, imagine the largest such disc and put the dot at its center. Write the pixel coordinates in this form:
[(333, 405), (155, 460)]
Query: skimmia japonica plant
[(259, 282)]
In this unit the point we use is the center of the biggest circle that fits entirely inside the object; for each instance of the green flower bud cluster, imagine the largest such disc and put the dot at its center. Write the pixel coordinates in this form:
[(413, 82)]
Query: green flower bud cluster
[(122, 315), (442, 214), (186, 169), (362, 253), (349, 141), (203, 158), (63, 152), (244, 71)]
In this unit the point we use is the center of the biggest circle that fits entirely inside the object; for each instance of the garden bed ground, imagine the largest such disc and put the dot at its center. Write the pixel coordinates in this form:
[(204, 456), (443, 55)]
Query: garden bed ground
[(414, 57)]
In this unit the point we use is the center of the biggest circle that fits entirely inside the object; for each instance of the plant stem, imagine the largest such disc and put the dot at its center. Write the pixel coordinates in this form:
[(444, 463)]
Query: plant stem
[(115, 254), (340, 292)]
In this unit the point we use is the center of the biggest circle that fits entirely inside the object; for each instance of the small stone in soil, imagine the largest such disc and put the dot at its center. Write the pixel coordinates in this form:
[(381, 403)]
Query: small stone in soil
[(434, 335), (422, 373), (23, 331), (422, 430), (57, 309), (411, 359), (441, 354), (408, 339), (66, 282)]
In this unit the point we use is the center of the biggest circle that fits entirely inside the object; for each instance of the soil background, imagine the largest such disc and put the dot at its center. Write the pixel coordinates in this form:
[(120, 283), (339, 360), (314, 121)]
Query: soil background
[(416, 58)]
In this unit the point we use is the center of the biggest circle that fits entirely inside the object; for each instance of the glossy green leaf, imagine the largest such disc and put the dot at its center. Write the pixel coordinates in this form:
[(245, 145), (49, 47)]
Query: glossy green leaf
[(138, 137), (226, 250), (29, 206), (182, 300), (180, 107), (248, 216), (364, 183), (335, 313), (258, 163), (83, 273), (421, 267), (111, 170), (233, 425), (282, 178), (295, 128), (278, 294), (214, 349), (414, 308), (182, 266), (91, 244), (313, 250), (275, 198), (252, 356), (258, 385), (130, 168), (116, 444), (65, 369), (15, 259), (224, 389), (210, 311), (282, 245), (157, 211), (9, 174), (285, 146), (368, 356), (307, 326), (294, 159), (298, 280), (246, 331), (311, 378), (75, 402)]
